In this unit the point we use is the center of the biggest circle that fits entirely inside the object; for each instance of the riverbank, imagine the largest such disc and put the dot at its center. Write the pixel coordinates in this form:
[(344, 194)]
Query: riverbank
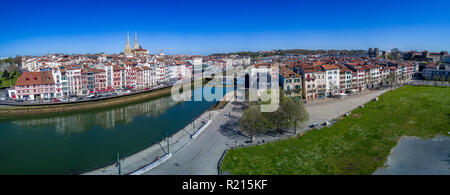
[(17, 110), (157, 153), (11, 111)]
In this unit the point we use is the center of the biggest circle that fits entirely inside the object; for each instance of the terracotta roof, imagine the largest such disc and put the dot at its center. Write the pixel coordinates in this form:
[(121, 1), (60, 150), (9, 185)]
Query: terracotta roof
[(310, 70), (35, 78), (289, 74), (318, 69), (262, 64), (330, 67)]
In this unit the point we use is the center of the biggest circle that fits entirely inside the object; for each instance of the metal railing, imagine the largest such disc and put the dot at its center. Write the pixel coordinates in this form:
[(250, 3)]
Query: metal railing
[(123, 156)]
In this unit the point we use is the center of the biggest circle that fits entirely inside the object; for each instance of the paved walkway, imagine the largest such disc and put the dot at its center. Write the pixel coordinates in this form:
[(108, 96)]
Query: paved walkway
[(201, 156), (154, 153)]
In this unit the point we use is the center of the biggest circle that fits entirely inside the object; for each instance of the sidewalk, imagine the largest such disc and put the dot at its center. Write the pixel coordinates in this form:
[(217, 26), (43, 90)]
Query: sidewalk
[(158, 152)]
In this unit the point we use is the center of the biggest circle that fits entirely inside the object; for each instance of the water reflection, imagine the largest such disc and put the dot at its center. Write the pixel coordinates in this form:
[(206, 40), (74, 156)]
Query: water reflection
[(108, 118)]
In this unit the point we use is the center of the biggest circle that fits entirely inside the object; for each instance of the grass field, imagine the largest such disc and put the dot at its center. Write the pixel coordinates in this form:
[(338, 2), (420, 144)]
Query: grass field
[(6, 82), (358, 144)]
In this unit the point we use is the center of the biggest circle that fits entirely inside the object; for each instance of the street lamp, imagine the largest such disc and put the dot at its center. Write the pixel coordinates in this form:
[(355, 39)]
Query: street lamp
[(118, 163)]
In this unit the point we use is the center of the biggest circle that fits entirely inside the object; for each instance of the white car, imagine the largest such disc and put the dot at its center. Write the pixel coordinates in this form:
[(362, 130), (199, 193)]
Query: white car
[(3, 99)]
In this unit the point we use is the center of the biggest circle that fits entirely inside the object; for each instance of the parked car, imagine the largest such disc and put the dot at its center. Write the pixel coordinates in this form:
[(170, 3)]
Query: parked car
[(348, 113), (3, 99), (56, 100), (314, 124), (63, 100), (326, 124)]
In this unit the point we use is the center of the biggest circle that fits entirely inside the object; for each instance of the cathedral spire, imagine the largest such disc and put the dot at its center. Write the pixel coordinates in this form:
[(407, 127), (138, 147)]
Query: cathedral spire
[(128, 38), (128, 46), (136, 45)]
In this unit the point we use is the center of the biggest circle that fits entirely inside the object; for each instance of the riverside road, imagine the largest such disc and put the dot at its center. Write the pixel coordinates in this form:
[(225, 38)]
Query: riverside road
[(202, 155)]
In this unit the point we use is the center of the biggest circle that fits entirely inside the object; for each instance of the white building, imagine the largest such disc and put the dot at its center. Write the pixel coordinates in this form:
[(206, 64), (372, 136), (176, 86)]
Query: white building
[(58, 82), (331, 78)]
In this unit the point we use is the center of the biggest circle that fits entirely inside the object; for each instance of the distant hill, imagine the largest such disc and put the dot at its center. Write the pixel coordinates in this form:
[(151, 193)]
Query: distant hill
[(291, 52)]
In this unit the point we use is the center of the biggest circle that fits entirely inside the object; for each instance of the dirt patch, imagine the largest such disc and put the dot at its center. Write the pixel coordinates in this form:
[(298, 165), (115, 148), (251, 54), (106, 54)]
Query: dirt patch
[(357, 115)]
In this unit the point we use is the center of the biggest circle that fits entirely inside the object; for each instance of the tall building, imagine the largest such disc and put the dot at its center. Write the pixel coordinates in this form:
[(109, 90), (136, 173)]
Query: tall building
[(135, 45), (128, 46), (377, 52)]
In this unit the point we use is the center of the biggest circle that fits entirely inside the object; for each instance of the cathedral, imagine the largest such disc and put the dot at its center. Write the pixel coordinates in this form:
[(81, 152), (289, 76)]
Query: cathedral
[(137, 50)]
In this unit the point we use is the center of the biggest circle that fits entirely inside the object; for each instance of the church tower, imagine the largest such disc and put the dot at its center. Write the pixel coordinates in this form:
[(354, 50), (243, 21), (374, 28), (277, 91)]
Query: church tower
[(136, 45), (128, 46)]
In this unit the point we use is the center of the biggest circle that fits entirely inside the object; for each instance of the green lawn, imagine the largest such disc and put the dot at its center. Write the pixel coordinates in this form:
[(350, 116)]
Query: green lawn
[(6, 82), (358, 144)]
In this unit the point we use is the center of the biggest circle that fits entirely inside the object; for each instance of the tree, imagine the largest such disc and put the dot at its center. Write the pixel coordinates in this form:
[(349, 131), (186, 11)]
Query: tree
[(252, 120), (277, 120), (6, 75), (391, 78), (443, 80), (296, 113), (17, 60), (399, 80), (436, 79)]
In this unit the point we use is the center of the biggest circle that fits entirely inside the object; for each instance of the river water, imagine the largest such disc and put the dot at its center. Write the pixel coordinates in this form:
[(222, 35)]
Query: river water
[(72, 142)]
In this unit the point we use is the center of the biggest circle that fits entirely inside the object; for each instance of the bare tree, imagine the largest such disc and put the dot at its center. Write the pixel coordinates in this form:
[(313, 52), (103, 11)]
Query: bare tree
[(252, 120), (278, 120), (442, 79), (296, 113), (391, 79), (436, 79)]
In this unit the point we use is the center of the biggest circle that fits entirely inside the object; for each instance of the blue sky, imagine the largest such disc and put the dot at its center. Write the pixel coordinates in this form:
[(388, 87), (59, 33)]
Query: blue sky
[(204, 27)]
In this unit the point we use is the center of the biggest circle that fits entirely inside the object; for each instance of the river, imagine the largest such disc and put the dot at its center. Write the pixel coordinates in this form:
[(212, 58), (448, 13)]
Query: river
[(72, 142)]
